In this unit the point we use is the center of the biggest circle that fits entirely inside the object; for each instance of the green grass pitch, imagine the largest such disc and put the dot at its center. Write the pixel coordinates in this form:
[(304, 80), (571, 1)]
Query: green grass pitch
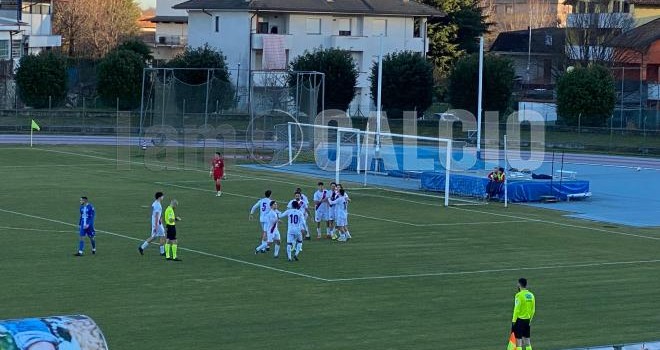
[(416, 275)]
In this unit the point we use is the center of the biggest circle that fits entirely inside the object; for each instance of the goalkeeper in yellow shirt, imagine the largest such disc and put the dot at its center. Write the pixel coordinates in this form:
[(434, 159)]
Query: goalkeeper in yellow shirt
[(170, 227), (523, 312)]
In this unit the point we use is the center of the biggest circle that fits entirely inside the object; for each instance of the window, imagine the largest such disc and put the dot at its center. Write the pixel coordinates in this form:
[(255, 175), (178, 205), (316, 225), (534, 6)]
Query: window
[(313, 26), (217, 24), (508, 9), (616, 6), (380, 27), (4, 49), (262, 26), (344, 25), (626, 7), (417, 28)]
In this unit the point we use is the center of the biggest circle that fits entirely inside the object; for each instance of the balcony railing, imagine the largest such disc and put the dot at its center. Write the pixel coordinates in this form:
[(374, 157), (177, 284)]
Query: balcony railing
[(171, 40), (258, 40)]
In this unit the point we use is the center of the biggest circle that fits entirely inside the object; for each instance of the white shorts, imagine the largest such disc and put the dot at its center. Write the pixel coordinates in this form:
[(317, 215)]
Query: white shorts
[(160, 232), (264, 226), (341, 221), (293, 237), (331, 213), (273, 236), (320, 215)]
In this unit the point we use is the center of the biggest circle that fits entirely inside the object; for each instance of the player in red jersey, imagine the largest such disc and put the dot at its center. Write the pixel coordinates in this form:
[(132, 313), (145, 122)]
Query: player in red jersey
[(218, 172)]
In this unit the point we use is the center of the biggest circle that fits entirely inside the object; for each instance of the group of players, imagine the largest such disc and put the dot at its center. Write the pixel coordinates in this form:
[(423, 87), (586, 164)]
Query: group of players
[(330, 206)]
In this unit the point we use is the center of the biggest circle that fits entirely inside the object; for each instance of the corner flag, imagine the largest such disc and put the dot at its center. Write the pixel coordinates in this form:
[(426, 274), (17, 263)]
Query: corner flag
[(512, 342), (35, 126)]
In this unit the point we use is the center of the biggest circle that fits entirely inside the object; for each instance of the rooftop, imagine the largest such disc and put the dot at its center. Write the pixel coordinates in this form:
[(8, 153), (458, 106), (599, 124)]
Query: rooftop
[(362, 7)]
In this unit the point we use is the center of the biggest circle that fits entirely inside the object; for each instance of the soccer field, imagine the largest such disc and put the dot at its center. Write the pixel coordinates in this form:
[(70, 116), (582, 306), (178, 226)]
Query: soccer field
[(416, 275)]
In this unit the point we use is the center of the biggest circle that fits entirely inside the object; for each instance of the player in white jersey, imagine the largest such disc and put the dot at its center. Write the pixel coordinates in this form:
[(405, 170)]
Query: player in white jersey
[(294, 218), (298, 197), (263, 205), (321, 208), (331, 210), (348, 200), (342, 215), (157, 230), (273, 233), (303, 197)]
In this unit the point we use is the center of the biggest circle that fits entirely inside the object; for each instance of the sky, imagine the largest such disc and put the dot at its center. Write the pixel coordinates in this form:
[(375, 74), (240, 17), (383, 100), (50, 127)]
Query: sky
[(147, 3)]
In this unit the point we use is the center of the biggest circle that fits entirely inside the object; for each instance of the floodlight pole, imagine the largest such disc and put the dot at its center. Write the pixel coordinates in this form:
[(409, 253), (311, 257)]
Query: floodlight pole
[(480, 95), (379, 96)]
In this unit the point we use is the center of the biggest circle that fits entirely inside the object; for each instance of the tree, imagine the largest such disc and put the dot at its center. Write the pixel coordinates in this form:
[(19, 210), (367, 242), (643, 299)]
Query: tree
[(587, 35), (340, 74), (407, 83), (497, 84), (456, 34), (41, 79), (138, 46), (537, 13), (120, 77), (586, 96), (92, 28), (204, 65)]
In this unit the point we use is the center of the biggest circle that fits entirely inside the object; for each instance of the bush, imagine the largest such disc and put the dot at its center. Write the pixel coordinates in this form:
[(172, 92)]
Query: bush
[(138, 46), (120, 76), (40, 77), (586, 96), (407, 83), (497, 83), (340, 75)]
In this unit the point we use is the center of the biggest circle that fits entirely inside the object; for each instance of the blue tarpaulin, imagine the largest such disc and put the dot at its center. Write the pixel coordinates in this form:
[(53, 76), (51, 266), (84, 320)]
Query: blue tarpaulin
[(518, 190)]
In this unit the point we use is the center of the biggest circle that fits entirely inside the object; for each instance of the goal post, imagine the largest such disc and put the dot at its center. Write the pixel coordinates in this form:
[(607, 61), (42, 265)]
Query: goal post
[(353, 151)]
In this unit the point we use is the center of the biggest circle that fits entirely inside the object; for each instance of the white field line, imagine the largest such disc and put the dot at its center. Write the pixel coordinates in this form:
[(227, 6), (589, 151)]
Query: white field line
[(512, 269), (452, 207), (9, 228), (383, 277), (61, 165), (245, 176), (438, 224), (180, 248), (352, 214), (560, 224)]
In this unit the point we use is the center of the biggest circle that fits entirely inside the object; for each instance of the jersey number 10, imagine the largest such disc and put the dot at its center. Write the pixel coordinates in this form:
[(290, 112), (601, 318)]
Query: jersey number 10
[(293, 219)]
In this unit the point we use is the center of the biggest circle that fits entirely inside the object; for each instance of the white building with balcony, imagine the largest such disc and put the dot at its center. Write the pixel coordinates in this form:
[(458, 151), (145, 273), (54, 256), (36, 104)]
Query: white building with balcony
[(267, 34), (171, 30), (26, 28)]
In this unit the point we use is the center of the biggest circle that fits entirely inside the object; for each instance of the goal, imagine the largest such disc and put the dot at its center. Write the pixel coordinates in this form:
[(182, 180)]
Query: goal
[(373, 159)]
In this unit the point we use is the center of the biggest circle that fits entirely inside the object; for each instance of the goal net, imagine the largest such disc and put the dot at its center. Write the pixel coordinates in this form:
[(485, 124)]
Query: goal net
[(384, 160)]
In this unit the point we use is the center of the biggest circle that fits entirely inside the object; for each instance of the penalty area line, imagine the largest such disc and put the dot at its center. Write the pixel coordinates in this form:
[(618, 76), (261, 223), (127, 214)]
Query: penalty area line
[(512, 269), (180, 248)]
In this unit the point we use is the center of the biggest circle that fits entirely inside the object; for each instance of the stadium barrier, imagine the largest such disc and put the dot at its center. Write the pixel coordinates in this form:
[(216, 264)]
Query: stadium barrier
[(74, 332)]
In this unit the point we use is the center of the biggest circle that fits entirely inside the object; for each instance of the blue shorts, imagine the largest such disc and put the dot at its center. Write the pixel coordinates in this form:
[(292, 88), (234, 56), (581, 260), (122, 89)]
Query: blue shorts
[(90, 232)]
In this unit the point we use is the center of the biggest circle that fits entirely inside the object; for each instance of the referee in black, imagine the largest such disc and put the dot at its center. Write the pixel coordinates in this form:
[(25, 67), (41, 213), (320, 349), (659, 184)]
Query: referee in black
[(170, 227)]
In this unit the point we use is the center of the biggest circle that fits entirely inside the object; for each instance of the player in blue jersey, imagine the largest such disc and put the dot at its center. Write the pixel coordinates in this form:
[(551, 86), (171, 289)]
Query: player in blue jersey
[(86, 225)]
